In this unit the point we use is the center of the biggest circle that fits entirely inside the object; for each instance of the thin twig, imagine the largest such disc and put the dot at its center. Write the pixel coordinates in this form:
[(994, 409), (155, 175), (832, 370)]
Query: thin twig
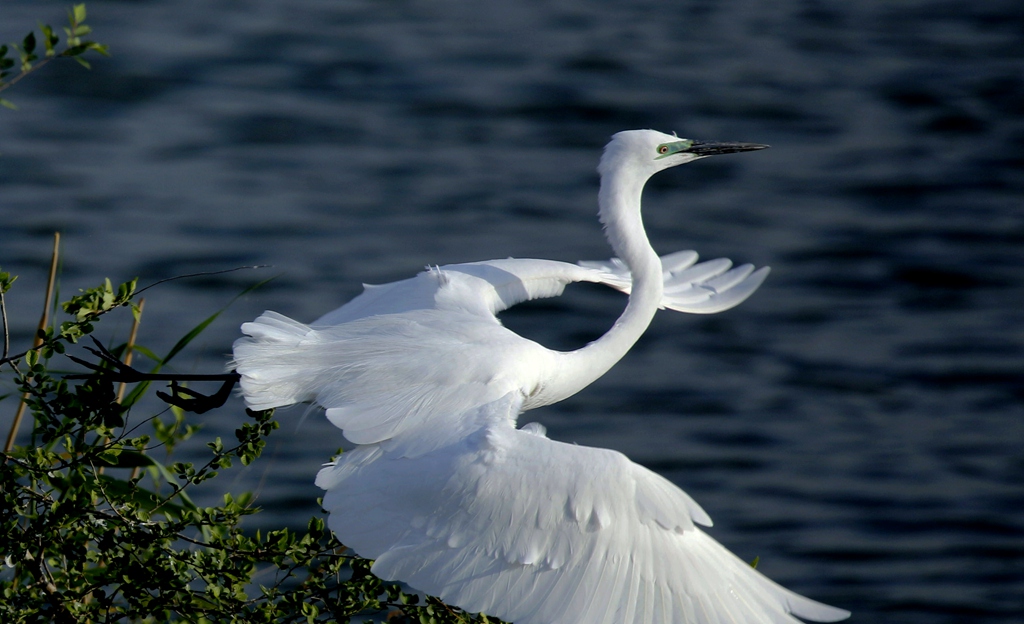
[(128, 353), (13, 81), (3, 316), (202, 274), (43, 322)]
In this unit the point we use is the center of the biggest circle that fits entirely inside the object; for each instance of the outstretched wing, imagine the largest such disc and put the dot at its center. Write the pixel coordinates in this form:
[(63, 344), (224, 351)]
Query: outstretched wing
[(481, 288), (705, 288), (534, 531), (486, 288)]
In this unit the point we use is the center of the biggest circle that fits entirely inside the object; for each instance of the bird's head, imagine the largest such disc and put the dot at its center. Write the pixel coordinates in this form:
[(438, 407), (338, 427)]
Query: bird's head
[(646, 152)]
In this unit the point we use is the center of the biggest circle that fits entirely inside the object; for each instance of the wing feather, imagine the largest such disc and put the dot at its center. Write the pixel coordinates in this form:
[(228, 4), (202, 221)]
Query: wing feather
[(488, 287), (733, 289), (481, 288), (703, 288), (540, 532)]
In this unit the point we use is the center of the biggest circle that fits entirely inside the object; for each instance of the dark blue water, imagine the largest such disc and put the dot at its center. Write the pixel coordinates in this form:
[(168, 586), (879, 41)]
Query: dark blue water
[(858, 424)]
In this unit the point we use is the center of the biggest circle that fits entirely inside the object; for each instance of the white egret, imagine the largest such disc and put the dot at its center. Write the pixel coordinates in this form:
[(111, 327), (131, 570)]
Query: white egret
[(443, 490)]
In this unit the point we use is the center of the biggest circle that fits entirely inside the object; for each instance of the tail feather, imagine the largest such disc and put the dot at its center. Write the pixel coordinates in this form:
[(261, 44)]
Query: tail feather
[(270, 378)]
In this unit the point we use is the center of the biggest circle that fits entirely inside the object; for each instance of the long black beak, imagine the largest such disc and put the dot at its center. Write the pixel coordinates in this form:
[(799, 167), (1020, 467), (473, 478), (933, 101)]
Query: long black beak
[(713, 148)]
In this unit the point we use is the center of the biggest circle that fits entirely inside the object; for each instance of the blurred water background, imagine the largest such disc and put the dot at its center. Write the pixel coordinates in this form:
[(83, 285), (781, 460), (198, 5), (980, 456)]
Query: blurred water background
[(858, 424)]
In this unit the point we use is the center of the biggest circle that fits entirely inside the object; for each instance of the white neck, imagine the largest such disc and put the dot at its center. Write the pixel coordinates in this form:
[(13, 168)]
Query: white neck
[(619, 200)]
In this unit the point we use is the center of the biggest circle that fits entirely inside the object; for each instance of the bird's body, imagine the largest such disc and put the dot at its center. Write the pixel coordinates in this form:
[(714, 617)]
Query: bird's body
[(443, 490), (401, 362)]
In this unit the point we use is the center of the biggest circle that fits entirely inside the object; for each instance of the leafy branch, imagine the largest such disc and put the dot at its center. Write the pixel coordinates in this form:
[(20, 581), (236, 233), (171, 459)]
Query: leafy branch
[(86, 308), (27, 52)]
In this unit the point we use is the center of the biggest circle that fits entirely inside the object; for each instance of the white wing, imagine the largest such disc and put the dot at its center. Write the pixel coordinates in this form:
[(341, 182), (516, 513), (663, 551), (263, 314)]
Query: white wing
[(534, 531), (704, 288), (488, 287), (481, 288)]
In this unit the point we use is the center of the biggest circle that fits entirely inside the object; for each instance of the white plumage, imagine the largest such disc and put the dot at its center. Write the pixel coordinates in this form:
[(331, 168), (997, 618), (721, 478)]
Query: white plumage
[(447, 495)]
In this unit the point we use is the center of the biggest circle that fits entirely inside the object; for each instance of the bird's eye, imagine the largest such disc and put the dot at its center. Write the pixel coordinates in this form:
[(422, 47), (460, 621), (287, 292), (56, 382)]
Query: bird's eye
[(663, 149)]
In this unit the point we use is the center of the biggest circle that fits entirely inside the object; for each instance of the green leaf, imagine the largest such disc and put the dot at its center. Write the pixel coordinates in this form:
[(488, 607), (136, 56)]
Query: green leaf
[(29, 43), (79, 13), (109, 456), (26, 60), (8, 104), (49, 39), (126, 458), (98, 47)]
